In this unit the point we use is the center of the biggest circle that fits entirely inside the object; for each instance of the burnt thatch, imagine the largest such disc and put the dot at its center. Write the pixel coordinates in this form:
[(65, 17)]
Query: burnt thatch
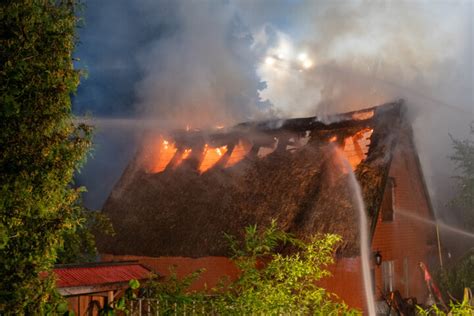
[(180, 212)]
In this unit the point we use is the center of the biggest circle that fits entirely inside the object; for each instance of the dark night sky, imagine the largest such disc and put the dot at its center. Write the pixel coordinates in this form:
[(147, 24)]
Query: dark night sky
[(106, 52)]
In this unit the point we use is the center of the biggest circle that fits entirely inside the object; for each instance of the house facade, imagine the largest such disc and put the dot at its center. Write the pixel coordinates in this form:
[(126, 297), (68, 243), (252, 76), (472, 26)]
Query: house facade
[(401, 240), (181, 193)]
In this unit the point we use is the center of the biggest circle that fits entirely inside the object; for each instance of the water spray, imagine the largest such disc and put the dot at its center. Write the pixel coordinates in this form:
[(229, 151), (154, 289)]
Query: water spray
[(363, 232), (438, 223)]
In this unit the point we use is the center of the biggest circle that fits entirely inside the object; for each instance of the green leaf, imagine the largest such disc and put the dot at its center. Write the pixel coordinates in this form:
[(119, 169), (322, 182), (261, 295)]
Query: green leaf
[(120, 305), (62, 307), (134, 284)]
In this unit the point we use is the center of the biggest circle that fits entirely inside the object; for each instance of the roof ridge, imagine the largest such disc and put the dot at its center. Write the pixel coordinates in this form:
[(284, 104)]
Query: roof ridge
[(97, 264)]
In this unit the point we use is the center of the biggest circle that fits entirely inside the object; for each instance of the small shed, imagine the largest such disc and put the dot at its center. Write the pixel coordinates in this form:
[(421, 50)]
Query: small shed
[(89, 287)]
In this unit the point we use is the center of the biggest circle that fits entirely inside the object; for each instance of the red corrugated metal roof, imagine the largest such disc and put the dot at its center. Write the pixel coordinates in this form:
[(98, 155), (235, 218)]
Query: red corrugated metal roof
[(99, 274)]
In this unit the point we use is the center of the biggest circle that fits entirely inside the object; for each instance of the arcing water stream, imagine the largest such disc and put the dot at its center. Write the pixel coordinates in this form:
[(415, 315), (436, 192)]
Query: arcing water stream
[(363, 231), (433, 222)]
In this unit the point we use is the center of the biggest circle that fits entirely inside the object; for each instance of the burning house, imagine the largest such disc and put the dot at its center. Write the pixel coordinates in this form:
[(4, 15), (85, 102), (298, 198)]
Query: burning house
[(181, 193)]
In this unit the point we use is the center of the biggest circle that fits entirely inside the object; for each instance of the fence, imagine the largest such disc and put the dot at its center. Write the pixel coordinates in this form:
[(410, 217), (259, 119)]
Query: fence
[(153, 307)]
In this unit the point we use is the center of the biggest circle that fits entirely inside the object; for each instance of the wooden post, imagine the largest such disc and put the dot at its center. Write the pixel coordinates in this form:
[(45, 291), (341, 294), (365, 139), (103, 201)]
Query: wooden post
[(439, 246), (110, 298), (176, 157), (225, 157)]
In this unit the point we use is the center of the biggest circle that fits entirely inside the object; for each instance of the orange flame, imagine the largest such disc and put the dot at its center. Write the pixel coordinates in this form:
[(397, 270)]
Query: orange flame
[(211, 157), (184, 156), (164, 152), (355, 147), (239, 152)]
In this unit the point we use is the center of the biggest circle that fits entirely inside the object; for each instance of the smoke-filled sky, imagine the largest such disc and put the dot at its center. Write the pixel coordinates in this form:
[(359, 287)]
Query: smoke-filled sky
[(205, 63)]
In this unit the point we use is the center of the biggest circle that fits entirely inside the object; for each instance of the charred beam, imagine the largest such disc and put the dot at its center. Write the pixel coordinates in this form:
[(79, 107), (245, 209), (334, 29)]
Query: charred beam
[(226, 156), (176, 158)]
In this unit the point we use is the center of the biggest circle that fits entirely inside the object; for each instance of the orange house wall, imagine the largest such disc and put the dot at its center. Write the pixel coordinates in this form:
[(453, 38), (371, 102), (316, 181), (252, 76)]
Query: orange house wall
[(346, 282), (405, 237)]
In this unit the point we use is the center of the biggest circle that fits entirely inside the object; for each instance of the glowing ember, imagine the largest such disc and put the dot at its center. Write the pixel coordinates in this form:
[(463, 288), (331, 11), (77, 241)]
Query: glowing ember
[(365, 115), (186, 154), (183, 157), (239, 152), (211, 157), (164, 153), (333, 139)]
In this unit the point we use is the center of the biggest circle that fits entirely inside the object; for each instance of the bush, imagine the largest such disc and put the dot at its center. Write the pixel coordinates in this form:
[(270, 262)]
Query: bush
[(463, 308), (270, 283), (454, 278), (274, 283)]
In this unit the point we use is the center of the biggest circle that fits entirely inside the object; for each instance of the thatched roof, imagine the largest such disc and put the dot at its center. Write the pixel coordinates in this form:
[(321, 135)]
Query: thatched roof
[(182, 212)]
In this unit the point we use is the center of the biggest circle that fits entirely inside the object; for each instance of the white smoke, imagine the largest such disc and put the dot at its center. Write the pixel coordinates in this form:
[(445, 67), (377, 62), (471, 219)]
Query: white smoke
[(203, 63), (365, 53), (202, 73)]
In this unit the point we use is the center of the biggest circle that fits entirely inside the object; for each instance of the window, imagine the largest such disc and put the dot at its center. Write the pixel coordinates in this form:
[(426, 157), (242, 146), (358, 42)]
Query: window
[(388, 275), (388, 200)]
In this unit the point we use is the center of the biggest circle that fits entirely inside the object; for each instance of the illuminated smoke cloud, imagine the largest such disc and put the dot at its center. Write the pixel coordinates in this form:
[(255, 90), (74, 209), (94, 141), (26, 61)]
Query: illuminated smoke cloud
[(341, 56), (203, 63)]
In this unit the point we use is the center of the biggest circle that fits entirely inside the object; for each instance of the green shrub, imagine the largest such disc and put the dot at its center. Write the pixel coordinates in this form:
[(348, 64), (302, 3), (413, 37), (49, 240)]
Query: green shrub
[(455, 277), (270, 282), (273, 283)]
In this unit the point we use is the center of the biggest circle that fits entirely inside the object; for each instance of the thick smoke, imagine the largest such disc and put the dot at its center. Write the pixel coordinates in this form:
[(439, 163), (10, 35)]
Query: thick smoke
[(201, 72), (203, 63), (365, 53)]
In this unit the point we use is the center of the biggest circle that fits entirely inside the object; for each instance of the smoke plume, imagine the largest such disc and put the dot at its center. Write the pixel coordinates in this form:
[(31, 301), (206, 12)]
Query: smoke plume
[(364, 53), (203, 63)]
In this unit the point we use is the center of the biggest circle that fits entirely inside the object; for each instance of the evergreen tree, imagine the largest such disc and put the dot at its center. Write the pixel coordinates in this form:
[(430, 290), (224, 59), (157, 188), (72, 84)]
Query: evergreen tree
[(464, 159), (41, 146)]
